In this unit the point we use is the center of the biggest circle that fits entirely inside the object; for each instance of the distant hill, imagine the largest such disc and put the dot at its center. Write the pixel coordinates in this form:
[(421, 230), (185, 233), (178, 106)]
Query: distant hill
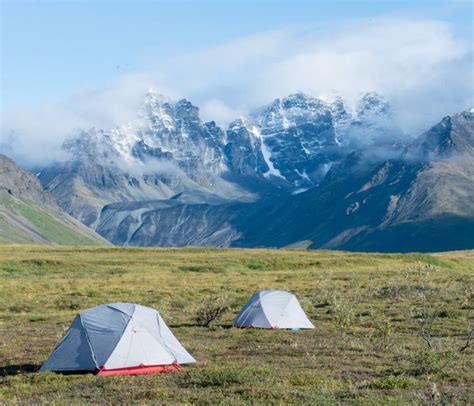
[(30, 215)]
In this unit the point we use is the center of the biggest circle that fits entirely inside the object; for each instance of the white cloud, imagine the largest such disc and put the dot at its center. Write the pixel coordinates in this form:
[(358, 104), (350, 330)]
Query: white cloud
[(215, 109), (417, 64), (405, 60)]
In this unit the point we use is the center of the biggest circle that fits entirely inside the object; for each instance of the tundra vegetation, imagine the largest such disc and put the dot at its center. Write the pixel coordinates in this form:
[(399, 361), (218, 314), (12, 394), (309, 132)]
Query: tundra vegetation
[(390, 328)]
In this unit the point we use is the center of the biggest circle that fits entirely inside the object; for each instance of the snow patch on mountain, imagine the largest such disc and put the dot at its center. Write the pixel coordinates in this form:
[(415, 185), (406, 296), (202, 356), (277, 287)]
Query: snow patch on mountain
[(267, 154), (303, 175)]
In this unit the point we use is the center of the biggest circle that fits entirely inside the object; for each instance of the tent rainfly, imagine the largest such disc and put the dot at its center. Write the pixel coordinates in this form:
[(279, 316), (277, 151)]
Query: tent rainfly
[(118, 339), (273, 309)]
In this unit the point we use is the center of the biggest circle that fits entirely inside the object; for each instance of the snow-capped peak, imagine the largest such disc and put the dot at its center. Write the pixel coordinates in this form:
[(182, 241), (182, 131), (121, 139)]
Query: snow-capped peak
[(372, 104)]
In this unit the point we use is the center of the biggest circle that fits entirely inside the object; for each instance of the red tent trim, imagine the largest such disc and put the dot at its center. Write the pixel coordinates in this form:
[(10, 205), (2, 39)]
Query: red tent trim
[(140, 370)]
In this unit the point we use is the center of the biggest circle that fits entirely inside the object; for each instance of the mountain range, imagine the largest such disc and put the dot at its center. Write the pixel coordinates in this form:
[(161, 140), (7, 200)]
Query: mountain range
[(300, 172)]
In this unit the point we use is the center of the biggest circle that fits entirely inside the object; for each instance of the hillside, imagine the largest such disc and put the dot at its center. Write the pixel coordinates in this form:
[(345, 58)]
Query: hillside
[(419, 200), (30, 215), (367, 347)]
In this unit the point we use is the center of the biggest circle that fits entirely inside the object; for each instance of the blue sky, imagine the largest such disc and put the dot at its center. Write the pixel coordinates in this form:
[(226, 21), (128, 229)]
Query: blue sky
[(71, 65), (51, 50)]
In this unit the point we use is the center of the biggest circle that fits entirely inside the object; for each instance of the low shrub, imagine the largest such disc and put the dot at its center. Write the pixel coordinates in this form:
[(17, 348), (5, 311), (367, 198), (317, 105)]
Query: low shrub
[(381, 338), (343, 315), (430, 362), (211, 308)]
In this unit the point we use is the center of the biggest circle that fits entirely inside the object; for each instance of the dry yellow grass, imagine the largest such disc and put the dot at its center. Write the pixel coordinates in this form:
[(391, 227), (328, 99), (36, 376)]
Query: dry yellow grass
[(367, 308)]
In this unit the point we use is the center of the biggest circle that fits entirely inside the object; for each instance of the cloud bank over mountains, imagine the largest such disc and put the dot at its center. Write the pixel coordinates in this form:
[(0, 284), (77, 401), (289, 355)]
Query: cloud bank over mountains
[(420, 66)]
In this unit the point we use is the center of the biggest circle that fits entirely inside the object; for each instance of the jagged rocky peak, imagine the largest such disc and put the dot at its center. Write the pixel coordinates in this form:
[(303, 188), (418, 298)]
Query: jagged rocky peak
[(371, 105), (170, 129), (163, 114), (302, 101), (452, 135), (164, 117), (164, 129), (185, 110), (298, 139), (242, 128), (153, 97), (244, 148), (157, 112), (241, 122), (341, 116), (300, 106), (168, 111), (215, 134), (294, 109)]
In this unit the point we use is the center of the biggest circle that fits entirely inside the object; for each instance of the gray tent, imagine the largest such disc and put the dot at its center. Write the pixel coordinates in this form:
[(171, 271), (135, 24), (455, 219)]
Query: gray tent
[(273, 309), (118, 339)]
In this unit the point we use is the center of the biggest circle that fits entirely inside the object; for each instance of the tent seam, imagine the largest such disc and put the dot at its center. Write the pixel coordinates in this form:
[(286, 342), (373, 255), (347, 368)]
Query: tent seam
[(265, 314), (121, 311), (170, 352), (250, 310), (89, 343), (123, 331)]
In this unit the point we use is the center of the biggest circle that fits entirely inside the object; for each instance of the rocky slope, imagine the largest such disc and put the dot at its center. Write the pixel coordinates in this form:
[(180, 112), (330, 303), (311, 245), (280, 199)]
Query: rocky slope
[(28, 214), (420, 199)]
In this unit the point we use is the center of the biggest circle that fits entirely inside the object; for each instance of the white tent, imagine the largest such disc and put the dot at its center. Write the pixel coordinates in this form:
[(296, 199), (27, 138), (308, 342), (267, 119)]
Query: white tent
[(273, 309), (118, 339)]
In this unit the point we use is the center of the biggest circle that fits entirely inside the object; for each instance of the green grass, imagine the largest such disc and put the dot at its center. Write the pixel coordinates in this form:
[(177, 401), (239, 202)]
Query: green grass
[(11, 235), (54, 226), (366, 348)]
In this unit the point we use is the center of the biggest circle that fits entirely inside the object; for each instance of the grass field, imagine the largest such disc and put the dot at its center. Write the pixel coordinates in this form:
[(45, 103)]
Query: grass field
[(389, 328)]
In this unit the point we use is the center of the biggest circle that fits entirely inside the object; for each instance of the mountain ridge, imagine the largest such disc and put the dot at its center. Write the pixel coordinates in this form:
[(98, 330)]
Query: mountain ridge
[(300, 169)]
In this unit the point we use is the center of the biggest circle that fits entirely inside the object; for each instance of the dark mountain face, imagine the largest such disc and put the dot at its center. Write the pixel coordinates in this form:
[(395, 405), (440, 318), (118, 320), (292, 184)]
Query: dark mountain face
[(453, 135), (300, 133), (399, 204), (300, 170), (244, 149)]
